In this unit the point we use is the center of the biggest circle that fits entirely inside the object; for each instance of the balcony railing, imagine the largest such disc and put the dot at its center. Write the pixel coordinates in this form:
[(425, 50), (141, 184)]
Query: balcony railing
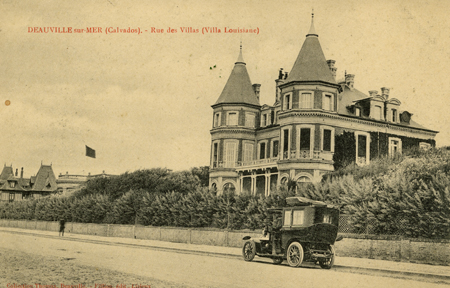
[(306, 154), (303, 154), (257, 162)]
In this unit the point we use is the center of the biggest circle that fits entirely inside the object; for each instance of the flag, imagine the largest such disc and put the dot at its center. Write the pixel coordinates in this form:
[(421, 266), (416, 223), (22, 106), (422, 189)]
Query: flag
[(90, 152)]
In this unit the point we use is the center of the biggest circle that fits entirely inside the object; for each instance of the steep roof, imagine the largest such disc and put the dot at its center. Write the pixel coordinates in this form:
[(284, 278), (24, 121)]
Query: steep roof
[(20, 184), (45, 179), (311, 64), (239, 87), (348, 97), (6, 172)]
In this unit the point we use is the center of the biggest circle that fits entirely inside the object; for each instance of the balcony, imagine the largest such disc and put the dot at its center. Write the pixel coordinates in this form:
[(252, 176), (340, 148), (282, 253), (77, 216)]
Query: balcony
[(243, 165)]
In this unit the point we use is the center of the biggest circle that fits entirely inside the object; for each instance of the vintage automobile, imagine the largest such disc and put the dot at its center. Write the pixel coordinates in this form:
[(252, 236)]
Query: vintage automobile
[(306, 232)]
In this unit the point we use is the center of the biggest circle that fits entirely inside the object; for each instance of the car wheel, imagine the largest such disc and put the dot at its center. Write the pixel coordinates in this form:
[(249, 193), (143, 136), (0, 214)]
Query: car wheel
[(277, 260), (249, 250), (327, 264), (295, 254)]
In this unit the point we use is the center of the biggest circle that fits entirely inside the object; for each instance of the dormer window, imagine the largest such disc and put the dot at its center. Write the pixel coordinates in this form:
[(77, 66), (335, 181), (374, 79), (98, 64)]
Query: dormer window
[(264, 120), (287, 104), (232, 119), (358, 111), (377, 112), (12, 184), (394, 115), (306, 101)]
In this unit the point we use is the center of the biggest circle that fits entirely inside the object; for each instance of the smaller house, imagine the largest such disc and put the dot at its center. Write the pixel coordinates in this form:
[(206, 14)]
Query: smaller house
[(16, 188), (70, 183)]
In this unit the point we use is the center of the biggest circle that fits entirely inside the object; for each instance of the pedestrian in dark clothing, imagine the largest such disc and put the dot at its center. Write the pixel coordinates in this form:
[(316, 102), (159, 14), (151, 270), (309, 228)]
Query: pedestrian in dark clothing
[(62, 224)]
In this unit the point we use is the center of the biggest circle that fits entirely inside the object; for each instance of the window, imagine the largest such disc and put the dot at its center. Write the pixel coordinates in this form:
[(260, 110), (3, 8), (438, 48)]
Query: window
[(287, 101), (275, 148), (215, 157), (377, 112), (305, 139), (264, 120), (362, 148), (232, 119), (394, 115), (217, 120), (230, 154), (262, 150), (298, 217), (326, 140), (305, 101), (287, 218), (286, 143), (395, 146), (328, 103), (250, 120), (11, 197), (327, 219), (12, 184), (248, 152), (358, 111)]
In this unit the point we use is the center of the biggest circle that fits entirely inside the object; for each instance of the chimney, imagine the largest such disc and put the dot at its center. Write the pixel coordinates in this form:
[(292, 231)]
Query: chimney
[(350, 80), (17, 172), (332, 68), (373, 93), (280, 74), (256, 89), (21, 173), (385, 92), (278, 82)]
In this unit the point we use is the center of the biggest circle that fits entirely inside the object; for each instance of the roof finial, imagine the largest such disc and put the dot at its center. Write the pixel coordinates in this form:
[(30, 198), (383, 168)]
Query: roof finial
[(312, 31), (240, 58)]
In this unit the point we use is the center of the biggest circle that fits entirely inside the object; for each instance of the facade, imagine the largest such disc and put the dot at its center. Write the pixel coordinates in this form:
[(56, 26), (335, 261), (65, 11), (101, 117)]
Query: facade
[(15, 188), (70, 183), (317, 123)]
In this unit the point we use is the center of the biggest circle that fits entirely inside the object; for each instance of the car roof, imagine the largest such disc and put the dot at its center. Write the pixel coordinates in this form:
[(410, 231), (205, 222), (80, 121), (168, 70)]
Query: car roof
[(302, 201)]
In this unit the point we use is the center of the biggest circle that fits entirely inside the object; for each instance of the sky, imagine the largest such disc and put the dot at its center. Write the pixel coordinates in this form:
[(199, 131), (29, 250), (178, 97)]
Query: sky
[(144, 100)]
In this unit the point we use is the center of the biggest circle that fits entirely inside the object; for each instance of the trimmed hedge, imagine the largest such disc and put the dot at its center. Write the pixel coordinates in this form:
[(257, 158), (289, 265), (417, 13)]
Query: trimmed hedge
[(407, 194)]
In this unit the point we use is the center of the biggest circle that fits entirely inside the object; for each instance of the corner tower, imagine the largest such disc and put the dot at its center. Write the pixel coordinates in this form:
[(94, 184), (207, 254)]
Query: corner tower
[(234, 127), (307, 96)]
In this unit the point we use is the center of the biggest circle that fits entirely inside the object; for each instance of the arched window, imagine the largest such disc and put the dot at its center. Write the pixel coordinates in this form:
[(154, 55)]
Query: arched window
[(303, 181), (229, 187)]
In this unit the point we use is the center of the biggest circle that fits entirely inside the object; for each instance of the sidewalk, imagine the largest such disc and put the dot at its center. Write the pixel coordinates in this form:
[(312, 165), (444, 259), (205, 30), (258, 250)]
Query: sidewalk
[(403, 268)]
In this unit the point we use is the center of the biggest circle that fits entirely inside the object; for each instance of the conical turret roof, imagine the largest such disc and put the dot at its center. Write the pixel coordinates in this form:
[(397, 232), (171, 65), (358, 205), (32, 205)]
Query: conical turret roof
[(311, 64), (239, 87)]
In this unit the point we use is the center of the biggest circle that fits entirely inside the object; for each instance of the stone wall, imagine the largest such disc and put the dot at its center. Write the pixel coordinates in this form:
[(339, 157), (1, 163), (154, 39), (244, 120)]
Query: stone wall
[(394, 248)]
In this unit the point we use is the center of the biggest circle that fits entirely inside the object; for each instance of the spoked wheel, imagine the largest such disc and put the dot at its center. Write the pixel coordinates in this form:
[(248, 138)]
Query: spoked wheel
[(277, 260), (295, 254), (327, 264), (249, 250)]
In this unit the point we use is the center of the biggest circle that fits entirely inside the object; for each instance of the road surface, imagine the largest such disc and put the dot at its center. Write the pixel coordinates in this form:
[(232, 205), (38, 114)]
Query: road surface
[(26, 259)]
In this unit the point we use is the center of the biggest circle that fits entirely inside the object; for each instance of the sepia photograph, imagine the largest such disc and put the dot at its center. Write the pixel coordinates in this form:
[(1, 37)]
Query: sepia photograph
[(224, 144)]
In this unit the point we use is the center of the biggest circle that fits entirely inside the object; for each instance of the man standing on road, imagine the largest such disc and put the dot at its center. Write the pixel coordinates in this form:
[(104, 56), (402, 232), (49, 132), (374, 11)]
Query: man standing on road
[(62, 224)]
